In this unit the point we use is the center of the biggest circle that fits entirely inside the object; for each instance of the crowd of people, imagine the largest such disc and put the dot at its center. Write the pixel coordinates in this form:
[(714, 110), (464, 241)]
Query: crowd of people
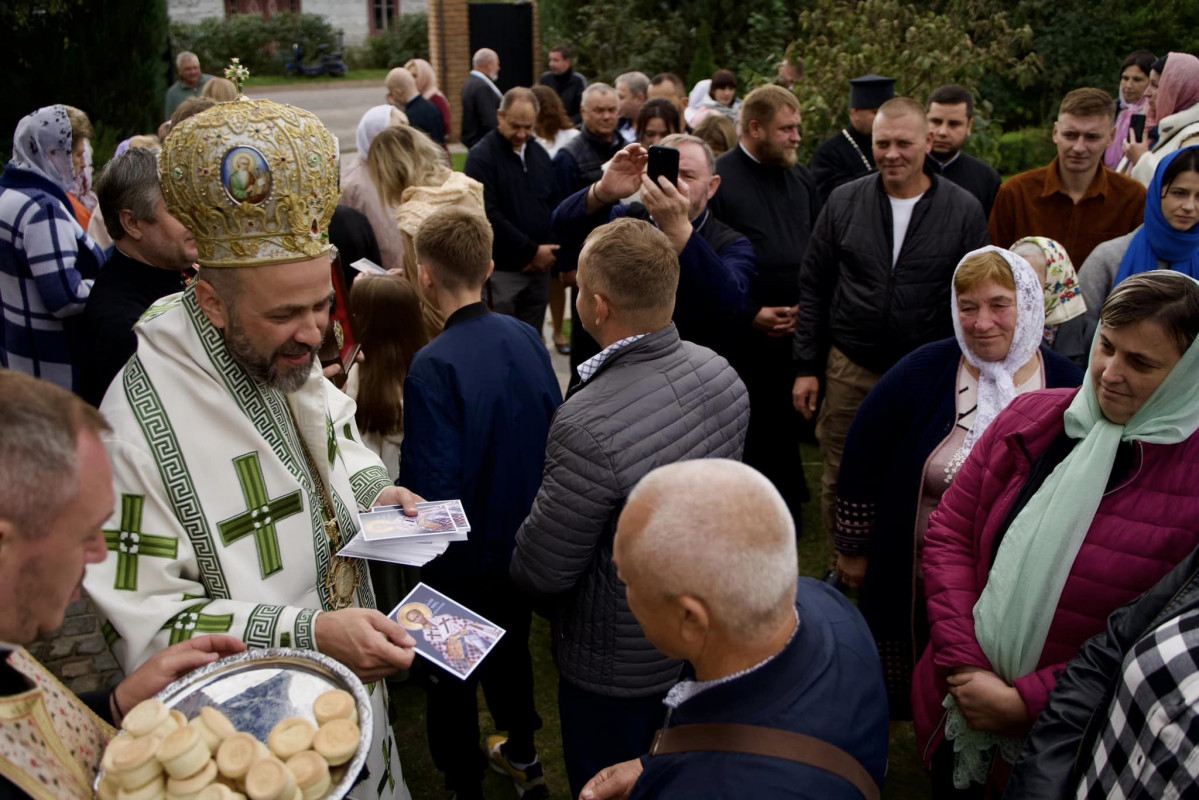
[(198, 401)]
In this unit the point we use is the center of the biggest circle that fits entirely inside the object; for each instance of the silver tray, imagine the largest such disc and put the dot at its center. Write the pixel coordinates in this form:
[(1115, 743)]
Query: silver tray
[(258, 689)]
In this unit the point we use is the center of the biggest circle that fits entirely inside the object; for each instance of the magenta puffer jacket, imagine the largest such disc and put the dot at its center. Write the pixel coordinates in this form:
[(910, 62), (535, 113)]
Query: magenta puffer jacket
[(1144, 526)]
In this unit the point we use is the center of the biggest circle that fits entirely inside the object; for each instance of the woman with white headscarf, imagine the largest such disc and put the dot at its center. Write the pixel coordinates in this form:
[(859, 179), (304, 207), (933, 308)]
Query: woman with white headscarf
[(47, 260), (358, 191), (912, 434)]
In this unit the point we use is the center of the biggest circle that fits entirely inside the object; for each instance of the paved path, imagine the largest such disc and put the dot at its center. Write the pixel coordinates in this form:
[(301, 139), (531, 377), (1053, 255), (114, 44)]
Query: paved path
[(338, 105)]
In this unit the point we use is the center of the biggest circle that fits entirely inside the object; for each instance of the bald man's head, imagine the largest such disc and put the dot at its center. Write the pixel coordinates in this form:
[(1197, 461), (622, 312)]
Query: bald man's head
[(717, 531), (401, 87)]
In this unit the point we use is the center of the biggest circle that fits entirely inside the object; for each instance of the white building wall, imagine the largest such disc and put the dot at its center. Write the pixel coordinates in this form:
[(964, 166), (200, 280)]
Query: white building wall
[(192, 11), (349, 15)]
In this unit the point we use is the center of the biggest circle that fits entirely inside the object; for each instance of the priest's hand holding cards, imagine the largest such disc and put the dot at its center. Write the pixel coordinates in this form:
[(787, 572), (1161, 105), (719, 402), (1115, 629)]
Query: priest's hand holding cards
[(399, 496), (366, 641)]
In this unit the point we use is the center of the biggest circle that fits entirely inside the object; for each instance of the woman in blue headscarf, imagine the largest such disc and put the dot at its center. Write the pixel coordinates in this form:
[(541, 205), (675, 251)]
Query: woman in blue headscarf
[(1169, 239)]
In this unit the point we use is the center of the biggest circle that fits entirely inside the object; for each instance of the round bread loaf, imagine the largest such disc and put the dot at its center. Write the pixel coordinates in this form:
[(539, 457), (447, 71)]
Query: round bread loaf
[(337, 741), (270, 779), (335, 704), (292, 735)]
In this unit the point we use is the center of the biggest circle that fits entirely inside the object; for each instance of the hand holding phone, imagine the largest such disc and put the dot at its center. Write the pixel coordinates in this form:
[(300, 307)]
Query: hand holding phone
[(663, 161), (1137, 127)]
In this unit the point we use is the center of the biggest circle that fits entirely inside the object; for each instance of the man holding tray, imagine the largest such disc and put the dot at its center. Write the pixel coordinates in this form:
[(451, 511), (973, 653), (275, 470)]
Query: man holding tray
[(238, 469), (55, 494)]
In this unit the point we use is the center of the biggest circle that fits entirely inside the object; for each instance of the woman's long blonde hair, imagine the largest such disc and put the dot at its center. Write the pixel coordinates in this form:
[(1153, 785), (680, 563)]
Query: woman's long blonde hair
[(402, 156)]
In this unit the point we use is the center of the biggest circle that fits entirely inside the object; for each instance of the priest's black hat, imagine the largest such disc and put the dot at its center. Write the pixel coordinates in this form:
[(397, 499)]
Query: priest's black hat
[(870, 91)]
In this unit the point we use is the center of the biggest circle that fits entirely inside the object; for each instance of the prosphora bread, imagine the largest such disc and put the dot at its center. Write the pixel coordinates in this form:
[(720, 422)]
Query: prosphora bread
[(151, 790), (312, 774), (219, 791), (236, 754), (270, 779), (189, 787), (150, 718), (213, 727), (292, 735), (335, 704), (184, 753), (136, 763), (337, 741)]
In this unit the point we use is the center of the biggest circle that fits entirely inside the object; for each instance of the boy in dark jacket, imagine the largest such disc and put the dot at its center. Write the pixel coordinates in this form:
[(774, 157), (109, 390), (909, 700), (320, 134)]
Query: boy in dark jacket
[(477, 407)]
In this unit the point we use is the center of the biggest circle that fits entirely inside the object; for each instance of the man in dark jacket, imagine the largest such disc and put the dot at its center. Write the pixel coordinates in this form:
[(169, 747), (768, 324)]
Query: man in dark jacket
[(519, 193), (579, 164), (759, 652), (646, 400), (151, 251), (716, 263), (875, 283), (562, 78), (480, 97), (421, 113), (478, 401), (772, 199), (951, 119)]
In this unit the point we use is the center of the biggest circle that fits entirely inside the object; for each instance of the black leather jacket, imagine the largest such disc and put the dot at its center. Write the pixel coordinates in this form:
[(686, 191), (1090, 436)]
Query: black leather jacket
[(1055, 756)]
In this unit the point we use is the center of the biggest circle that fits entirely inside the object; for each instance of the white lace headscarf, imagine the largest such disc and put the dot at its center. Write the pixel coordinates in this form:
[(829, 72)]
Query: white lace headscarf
[(42, 144), (996, 384)]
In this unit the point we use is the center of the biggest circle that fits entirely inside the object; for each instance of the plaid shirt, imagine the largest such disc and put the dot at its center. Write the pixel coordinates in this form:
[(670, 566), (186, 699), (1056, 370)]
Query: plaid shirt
[(591, 365), (47, 263), (1150, 746)]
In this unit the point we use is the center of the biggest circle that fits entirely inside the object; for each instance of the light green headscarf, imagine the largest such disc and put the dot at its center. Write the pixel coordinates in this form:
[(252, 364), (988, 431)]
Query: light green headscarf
[(1014, 612)]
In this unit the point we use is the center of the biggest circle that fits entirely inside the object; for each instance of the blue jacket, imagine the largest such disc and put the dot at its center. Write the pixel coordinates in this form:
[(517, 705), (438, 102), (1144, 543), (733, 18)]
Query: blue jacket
[(716, 270), (478, 401), (826, 683)]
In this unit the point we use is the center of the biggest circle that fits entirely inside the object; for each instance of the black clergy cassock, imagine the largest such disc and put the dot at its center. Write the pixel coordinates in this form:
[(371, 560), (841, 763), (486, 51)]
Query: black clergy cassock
[(976, 177), (837, 160), (775, 208)]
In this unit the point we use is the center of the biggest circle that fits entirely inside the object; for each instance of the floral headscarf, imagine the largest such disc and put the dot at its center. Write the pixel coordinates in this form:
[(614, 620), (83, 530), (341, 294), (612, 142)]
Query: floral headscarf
[(42, 145), (1063, 296)]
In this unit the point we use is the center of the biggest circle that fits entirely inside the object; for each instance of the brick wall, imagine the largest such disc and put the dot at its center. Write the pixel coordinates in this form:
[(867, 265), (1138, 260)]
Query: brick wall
[(77, 653)]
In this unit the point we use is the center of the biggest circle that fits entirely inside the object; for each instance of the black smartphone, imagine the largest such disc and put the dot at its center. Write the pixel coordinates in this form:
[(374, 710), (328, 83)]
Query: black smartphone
[(1137, 126), (663, 161)]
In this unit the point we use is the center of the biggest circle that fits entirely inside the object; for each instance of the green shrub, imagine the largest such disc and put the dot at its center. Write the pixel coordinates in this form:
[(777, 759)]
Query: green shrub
[(406, 38), (264, 46), (1025, 149)]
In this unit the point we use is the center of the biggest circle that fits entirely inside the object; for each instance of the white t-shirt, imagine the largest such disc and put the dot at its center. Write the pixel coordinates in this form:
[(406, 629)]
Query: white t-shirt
[(901, 217)]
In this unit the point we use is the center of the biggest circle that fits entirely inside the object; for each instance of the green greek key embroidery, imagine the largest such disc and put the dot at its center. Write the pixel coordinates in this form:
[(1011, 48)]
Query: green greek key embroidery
[(128, 542), (261, 515), (261, 626)]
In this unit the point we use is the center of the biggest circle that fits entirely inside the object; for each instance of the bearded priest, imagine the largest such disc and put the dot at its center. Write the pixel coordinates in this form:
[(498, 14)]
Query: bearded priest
[(238, 469)]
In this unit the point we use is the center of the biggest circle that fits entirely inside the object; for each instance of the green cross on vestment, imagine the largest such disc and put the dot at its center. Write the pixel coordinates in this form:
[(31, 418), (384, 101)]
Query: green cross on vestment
[(187, 624), (261, 515), (128, 542)]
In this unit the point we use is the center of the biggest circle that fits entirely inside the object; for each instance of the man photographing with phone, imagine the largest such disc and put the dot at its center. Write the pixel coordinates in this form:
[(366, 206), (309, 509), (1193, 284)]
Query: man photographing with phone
[(716, 262)]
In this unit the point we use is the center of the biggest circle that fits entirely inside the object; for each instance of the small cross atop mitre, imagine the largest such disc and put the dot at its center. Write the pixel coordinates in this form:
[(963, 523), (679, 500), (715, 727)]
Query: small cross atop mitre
[(237, 72)]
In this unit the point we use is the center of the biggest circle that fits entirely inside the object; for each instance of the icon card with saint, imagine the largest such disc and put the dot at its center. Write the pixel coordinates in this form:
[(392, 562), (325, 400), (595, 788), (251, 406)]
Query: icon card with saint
[(390, 522), (447, 633)]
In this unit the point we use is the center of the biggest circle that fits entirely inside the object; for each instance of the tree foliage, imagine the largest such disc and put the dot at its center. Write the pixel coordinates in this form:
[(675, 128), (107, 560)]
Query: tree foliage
[(263, 45), (109, 60), (922, 49)]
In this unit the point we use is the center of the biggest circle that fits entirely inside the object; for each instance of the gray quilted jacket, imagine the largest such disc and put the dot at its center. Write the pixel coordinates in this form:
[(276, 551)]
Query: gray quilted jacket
[(654, 402)]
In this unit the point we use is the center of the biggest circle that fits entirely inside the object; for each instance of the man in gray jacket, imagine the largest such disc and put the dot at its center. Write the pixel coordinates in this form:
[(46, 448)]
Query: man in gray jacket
[(647, 399)]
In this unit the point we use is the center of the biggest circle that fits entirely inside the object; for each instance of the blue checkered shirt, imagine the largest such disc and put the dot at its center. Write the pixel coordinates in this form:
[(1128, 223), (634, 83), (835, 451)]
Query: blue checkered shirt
[(591, 365), (47, 264)]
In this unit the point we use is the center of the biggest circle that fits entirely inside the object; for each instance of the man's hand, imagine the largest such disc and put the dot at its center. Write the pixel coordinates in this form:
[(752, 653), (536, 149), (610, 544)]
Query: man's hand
[(777, 320), (1133, 150), (399, 496), (622, 175), (989, 704), (366, 641), (545, 257), (804, 394), (613, 783), (670, 206), (852, 570), (168, 666)]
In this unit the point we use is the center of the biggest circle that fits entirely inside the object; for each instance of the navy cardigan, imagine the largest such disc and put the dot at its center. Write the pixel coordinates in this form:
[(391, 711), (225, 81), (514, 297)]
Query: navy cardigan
[(903, 419)]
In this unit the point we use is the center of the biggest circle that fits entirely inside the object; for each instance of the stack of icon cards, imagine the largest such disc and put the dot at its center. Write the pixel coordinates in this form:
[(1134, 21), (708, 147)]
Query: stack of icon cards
[(388, 534)]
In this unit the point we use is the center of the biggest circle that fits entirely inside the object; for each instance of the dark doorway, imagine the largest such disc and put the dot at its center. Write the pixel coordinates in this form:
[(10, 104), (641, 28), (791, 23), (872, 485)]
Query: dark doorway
[(507, 28)]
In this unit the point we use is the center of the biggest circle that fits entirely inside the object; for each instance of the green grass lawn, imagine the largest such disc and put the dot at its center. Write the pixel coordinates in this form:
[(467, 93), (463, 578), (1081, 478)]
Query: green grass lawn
[(284, 80), (905, 781)]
